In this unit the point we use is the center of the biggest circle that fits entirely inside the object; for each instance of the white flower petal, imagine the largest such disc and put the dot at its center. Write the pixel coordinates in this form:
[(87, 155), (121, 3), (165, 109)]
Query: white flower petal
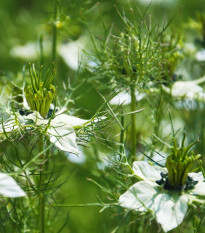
[(25, 103), (79, 159), (196, 176), (71, 52), (69, 120), (170, 210), (59, 118), (37, 118), (64, 137), (60, 130), (199, 189), (187, 89), (121, 98), (125, 98), (147, 171), (200, 55), (12, 123), (9, 187), (59, 111), (139, 196), (27, 51), (9, 126)]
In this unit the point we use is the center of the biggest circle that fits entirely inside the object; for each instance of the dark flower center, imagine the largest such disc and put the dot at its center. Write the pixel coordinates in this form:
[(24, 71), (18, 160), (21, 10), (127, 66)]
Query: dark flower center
[(50, 112), (189, 185), (25, 112)]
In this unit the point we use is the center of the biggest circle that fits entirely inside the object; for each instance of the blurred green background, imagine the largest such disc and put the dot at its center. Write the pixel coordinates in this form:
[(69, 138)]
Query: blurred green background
[(24, 23)]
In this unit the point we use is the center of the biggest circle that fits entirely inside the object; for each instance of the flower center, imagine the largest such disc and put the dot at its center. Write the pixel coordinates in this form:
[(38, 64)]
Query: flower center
[(164, 181), (51, 112), (24, 112), (179, 164), (39, 95)]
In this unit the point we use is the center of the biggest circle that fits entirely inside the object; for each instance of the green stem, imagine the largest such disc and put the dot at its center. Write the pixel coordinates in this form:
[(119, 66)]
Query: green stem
[(133, 137), (41, 195), (41, 50), (133, 223), (133, 120), (122, 136)]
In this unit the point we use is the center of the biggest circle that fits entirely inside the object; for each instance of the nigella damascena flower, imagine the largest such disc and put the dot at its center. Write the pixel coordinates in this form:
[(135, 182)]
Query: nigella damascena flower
[(56, 125), (154, 193), (59, 128), (187, 89)]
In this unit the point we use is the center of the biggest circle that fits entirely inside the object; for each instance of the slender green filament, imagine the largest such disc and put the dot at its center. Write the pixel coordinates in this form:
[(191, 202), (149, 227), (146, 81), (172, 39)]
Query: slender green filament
[(179, 164), (39, 95)]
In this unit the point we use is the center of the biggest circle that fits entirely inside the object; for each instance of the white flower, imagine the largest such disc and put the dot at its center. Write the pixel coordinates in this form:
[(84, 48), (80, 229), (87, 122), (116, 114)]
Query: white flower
[(124, 98), (200, 55), (71, 52), (28, 51), (80, 159), (9, 187), (60, 129), (187, 89), (169, 206), (11, 124)]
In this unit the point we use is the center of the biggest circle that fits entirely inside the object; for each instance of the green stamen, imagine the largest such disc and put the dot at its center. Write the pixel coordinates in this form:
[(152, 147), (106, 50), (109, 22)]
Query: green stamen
[(179, 164), (39, 95)]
